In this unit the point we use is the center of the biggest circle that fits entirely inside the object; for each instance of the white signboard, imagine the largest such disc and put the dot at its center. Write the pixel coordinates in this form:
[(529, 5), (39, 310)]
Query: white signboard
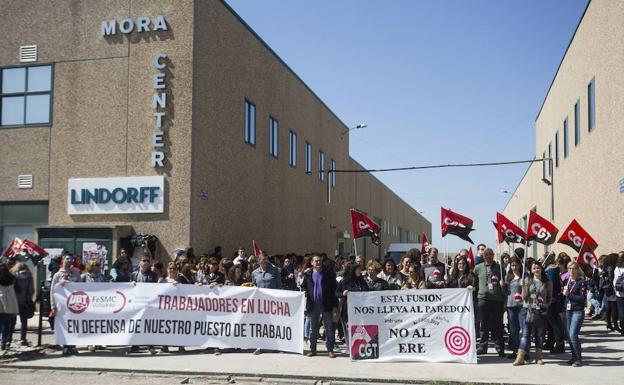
[(412, 325), (179, 315), (124, 195)]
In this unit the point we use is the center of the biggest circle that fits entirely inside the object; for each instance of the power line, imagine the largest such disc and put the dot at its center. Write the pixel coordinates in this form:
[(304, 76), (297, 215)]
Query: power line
[(445, 166)]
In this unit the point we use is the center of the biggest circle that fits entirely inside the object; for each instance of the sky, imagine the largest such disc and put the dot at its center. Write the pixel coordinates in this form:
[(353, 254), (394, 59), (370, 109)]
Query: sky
[(436, 81)]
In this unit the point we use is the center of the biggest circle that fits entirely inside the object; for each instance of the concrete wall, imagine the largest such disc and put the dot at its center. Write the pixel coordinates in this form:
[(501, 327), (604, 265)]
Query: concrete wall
[(103, 120), (586, 184), (102, 117), (251, 194)]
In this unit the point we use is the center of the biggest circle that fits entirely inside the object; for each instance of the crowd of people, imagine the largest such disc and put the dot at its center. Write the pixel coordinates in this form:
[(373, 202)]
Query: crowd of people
[(544, 300)]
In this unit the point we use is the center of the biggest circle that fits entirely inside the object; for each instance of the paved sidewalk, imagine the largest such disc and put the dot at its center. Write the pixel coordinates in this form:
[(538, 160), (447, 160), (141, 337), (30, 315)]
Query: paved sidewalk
[(603, 355)]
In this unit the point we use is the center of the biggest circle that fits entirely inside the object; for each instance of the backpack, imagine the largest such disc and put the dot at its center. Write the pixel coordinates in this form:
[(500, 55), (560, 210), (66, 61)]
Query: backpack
[(619, 282)]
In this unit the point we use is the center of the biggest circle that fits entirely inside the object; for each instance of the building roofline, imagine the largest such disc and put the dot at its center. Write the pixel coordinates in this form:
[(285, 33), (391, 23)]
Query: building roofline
[(389, 189), (244, 23), (562, 59)]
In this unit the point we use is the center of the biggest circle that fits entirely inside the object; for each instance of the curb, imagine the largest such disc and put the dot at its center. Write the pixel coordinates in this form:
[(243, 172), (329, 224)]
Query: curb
[(234, 377)]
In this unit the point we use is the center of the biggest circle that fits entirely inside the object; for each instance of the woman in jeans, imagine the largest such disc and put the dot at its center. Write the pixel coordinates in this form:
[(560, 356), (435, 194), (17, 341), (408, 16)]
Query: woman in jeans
[(536, 296), (575, 293), (515, 315)]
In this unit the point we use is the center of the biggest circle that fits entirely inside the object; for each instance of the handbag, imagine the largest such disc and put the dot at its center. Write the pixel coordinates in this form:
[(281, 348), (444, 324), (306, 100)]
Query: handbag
[(29, 309)]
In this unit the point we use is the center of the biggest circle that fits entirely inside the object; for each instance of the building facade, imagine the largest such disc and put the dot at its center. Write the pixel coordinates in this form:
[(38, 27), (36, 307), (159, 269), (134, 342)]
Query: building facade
[(579, 127), (174, 119)]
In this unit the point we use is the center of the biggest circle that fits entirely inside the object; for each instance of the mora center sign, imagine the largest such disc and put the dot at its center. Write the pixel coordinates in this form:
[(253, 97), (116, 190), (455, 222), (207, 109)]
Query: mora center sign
[(126, 195)]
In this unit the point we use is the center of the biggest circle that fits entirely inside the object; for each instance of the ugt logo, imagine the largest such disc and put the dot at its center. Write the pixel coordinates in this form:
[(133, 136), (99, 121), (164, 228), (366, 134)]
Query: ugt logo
[(364, 342), (78, 302)]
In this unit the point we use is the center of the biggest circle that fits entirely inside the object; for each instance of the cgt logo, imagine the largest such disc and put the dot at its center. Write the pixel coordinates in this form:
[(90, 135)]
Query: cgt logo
[(364, 342), (541, 232), (450, 222), (575, 239), (78, 302), (363, 225), (111, 302)]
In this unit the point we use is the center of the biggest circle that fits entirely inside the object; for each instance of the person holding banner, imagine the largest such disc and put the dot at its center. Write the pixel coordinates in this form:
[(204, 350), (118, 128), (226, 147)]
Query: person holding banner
[(373, 280), (536, 298), (414, 280), (65, 274), (352, 281), (319, 285), (575, 293), (490, 303), (391, 275)]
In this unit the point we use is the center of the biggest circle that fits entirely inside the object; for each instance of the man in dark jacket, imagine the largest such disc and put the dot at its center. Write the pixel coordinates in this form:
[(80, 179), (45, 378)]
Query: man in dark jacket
[(320, 286)]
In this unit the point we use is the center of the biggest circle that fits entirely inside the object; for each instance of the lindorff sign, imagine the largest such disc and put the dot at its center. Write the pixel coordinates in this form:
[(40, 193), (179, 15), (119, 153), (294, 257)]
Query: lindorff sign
[(127, 25), (126, 195)]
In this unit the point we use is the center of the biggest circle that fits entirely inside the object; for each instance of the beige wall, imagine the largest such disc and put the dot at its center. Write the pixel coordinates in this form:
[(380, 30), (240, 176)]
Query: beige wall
[(586, 184)]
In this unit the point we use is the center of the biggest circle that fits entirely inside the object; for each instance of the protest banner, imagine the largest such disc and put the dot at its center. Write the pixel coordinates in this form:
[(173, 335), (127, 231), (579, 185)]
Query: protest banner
[(412, 325), (179, 315)]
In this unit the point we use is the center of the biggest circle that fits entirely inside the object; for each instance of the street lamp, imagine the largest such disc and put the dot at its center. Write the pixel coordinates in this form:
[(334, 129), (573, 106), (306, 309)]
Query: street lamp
[(509, 193), (361, 125)]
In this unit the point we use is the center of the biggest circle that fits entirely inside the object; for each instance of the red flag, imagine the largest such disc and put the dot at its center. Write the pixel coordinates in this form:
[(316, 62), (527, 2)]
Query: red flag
[(456, 224), (256, 249), (509, 231), (425, 244), (470, 258), (32, 248), (540, 230), (574, 236), (363, 226), (14, 247), (587, 257)]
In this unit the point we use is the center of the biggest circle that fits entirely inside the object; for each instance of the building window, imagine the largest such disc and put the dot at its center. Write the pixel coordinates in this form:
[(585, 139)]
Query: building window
[(550, 169), (308, 168), (565, 139), (273, 137), (321, 166), (577, 123), (544, 165), (26, 97), (591, 105), (557, 149), (292, 154), (250, 123), (333, 174)]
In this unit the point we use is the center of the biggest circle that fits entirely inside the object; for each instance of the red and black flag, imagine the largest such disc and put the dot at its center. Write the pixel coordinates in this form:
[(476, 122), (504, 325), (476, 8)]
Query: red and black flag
[(509, 231), (456, 224), (425, 244), (574, 236), (18, 246), (541, 230), (470, 258), (256, 248), (586, 256), (363, 226)]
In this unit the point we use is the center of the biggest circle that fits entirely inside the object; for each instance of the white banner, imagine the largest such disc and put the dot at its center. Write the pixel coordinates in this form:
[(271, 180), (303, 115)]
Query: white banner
[(179, 315), (412, 325)]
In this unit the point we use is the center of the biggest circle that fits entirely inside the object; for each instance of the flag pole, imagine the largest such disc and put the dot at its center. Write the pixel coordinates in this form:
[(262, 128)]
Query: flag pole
[(355, 247)]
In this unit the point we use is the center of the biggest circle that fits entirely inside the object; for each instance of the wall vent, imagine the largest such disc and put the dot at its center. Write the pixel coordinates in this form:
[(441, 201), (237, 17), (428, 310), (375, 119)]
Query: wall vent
[(25, 181), (28, 53)]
